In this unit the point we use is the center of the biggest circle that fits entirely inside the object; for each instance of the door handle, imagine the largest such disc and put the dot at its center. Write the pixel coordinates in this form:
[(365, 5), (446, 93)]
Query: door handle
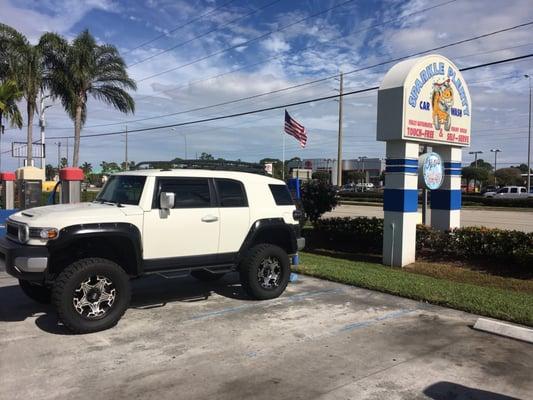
[(209, 218)]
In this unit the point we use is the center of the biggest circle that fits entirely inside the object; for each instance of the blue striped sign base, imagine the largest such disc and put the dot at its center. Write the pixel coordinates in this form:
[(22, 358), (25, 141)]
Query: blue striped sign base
[(442, 199), (402, 200)]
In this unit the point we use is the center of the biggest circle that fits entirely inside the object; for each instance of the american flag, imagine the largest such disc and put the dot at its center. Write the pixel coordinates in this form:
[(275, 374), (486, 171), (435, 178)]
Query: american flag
[(295, 129)]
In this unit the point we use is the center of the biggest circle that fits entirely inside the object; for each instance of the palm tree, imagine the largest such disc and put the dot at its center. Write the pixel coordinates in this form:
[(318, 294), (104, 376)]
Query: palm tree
[(87, 168), (85, 68), (22, 62), (9, 95)]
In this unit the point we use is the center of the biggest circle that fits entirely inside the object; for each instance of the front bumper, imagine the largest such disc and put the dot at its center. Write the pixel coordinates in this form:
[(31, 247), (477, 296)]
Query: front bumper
[(24, 261)]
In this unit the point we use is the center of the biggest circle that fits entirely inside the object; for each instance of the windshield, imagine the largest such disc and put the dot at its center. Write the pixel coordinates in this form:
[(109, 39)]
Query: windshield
[(122, 189)]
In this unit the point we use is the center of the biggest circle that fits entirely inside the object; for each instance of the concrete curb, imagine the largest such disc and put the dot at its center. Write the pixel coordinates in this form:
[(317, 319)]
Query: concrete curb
[(504, 329)]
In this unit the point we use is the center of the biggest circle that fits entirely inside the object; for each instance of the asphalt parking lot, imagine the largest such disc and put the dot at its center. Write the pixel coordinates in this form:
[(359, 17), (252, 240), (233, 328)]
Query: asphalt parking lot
[(187, 340)]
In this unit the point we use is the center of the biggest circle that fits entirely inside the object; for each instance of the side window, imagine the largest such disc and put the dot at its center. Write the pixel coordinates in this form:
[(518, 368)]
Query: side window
[(522, 190), (231, 193), (189, 193), (514, 190), (281, 195)]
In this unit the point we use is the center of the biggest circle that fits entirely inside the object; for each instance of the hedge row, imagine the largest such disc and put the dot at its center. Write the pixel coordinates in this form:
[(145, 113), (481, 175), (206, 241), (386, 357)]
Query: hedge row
[(467, 199), (366, 235)]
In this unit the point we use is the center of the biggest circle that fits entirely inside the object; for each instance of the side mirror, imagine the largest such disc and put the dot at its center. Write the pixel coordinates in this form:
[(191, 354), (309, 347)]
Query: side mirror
[(166, 200)]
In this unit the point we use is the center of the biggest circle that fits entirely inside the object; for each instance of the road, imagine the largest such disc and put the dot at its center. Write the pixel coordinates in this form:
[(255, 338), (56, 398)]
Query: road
[(182, 339), (503, 219)]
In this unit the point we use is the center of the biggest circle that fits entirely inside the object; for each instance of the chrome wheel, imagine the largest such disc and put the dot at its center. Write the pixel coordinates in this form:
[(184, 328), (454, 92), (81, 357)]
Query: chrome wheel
[(269, 273), (94, 297)]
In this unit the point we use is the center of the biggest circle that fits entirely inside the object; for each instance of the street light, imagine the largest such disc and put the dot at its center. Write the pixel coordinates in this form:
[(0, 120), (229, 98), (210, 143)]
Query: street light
[(362, 160), (529, 140), (495, 151), (185, 140), (475, 153)]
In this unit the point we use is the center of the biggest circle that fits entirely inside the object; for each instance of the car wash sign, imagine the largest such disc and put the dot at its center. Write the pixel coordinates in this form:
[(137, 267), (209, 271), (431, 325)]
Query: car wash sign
[(425, 100)]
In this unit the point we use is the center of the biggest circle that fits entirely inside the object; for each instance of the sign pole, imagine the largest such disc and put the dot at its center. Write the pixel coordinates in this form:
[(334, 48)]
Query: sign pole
[(283, 158)]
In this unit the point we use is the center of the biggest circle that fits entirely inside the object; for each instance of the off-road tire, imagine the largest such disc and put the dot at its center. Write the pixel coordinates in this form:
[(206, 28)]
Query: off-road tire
[(250, 265), (39, 293), (70, 278), (206, 276)]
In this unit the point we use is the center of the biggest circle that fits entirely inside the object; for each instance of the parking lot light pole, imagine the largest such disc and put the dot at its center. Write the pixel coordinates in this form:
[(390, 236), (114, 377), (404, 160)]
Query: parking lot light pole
[(529, 140), (495, 151)]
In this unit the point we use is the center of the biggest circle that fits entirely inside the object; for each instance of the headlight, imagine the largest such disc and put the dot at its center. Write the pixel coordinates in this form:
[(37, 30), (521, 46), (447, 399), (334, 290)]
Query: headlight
[(44, 233), (23, 233)]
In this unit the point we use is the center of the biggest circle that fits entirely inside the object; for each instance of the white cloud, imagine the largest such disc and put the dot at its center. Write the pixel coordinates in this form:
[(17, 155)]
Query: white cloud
[(276, 44)]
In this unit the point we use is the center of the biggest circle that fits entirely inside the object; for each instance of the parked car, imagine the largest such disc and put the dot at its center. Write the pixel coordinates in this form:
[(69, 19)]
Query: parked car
[(508, 192), (81, 257)]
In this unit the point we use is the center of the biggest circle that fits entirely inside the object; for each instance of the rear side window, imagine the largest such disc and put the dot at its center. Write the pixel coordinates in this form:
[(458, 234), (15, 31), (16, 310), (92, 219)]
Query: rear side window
[(188, 193), (522, 190), (281, 195), (231, 193)]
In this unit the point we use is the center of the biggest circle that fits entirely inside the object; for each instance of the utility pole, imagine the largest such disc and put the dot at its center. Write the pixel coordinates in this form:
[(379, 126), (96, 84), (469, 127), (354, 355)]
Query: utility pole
[(58, 144), (529, 140), (126, 167), (475, 153), (42, 125), (495, 151), (67, 152), (339, 145)]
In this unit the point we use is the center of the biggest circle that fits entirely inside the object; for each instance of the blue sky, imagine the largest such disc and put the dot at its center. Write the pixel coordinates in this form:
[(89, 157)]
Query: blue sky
[(349, 36)]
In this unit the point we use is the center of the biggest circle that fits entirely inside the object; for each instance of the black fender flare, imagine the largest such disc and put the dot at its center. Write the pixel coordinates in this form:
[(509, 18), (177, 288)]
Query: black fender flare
[(263, 225), (74, 233)]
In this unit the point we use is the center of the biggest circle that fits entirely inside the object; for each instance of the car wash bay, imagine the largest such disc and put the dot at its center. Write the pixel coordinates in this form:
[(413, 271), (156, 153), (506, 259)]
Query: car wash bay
[(182, 339)]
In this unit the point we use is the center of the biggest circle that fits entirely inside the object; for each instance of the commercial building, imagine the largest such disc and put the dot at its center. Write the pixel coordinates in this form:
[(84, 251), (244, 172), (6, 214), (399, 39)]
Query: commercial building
[(372, 167)]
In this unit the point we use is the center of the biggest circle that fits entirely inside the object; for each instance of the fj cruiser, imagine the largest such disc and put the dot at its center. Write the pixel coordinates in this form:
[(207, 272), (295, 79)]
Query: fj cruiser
[(208, 222)]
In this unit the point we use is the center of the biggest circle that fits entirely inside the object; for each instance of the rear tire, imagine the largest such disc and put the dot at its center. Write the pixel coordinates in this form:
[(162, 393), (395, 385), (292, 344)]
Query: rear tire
[(206, 276), (265, 271), (91, 295), (39, 293)]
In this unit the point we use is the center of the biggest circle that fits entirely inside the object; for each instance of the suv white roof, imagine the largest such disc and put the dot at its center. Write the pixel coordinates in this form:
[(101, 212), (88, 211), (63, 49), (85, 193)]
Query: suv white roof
[(203, 173)]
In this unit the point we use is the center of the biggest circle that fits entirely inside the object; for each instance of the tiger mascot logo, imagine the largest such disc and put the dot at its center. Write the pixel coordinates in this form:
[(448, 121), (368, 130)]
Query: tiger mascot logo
[(442, 101)]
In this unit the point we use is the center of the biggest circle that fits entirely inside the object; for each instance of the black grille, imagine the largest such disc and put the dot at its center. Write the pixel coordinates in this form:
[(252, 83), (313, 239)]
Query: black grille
[(12, 230)]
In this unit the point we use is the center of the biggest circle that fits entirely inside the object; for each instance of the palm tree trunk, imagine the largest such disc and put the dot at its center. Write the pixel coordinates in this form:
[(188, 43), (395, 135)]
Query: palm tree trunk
[(29, 154), (77, 134)]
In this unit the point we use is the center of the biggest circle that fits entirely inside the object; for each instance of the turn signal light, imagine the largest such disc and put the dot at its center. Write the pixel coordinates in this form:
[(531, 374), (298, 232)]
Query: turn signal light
[(49, 233)]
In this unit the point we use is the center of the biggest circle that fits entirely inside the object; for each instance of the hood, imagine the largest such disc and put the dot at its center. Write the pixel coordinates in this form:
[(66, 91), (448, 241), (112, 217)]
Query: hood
[(61, 215)]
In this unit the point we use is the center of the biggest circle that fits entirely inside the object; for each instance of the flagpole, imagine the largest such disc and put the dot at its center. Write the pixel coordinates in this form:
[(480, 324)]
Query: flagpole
[(283, 161)]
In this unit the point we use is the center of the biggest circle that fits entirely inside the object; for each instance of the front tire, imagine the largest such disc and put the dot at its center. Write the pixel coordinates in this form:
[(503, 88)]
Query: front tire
[(91, 295), (265, 271), (39, 293)]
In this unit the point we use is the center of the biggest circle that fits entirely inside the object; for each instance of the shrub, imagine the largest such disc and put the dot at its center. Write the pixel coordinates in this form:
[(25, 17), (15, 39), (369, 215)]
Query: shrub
[(366, 234), (318, 197)]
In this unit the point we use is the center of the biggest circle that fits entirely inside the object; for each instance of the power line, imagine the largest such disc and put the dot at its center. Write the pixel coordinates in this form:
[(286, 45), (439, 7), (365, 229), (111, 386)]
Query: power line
[(264, 35), (335, 96), (316, 80), (179, 27), (203, 34), (300, 50)]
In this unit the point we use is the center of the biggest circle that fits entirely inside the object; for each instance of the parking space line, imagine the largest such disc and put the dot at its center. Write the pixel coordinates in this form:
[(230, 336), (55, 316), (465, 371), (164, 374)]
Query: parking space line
[(368, 322), (288, 299)]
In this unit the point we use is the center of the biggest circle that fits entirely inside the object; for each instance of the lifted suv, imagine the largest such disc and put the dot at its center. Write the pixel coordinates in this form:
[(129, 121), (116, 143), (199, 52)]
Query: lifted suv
[(81, 256)]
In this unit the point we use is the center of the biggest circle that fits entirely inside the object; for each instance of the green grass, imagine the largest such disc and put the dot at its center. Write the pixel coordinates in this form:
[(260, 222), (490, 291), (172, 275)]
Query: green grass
[(510, 305)]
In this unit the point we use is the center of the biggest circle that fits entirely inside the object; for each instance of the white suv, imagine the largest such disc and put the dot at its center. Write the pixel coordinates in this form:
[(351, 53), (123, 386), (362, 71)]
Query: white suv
[(508, 192), (204, 222)]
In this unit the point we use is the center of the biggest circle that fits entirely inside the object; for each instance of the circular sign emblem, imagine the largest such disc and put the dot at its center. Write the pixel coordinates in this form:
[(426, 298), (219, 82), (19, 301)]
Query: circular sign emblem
[(431, 170)]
